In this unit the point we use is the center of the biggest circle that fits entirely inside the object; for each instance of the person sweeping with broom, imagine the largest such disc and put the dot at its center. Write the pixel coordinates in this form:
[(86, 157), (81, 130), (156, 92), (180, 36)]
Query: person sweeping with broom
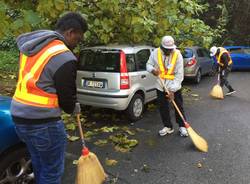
[(225, 64), (46, 86), (167, 63)]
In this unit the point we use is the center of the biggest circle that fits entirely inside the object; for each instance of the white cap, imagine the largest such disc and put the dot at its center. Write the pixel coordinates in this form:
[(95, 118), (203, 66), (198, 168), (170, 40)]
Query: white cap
[(167, 42), (213, 50)]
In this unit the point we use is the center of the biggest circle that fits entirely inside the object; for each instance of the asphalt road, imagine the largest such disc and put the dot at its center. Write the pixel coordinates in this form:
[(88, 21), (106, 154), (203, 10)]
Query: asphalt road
[(173, 159)]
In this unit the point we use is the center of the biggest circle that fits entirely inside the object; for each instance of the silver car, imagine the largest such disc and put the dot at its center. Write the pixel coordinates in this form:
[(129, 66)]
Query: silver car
[(197, 62), (115, 77)]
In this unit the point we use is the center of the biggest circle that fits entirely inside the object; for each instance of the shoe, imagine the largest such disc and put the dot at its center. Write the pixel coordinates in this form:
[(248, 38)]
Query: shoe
[(230, 92), (166, 131), (183, 132)]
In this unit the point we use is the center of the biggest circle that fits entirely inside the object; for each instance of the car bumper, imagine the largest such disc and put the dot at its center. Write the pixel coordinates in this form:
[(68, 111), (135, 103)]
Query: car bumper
[(117, 101), (190, 72)]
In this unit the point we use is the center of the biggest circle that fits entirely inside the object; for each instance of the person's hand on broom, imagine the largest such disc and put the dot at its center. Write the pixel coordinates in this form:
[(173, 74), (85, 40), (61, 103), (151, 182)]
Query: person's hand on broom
[(77, 109), (170, 95)]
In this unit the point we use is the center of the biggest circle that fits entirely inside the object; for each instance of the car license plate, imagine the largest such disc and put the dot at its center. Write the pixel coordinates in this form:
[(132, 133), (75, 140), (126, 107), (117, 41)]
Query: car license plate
[(94, 84)]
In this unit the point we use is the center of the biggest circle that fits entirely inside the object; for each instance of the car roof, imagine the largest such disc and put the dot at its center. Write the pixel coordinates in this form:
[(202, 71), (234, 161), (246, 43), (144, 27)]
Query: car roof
[(236, 47), (128, 49)]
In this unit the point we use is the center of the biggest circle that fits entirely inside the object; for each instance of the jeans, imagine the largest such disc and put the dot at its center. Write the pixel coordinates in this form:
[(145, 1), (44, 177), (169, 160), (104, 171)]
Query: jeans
[(164, 108), (46, 144)]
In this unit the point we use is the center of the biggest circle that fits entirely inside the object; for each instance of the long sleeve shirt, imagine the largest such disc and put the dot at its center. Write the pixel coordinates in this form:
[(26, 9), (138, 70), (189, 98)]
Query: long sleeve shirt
[(171, 85)]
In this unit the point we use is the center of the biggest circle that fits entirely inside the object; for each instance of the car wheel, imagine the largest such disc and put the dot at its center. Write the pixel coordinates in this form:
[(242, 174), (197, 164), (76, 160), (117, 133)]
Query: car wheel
[(135, 108), (16, 167), (197, 78)]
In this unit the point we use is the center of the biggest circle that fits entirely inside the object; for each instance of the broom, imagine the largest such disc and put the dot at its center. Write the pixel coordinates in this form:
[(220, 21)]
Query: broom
[(199, 142), (217, 91), (89, 169)]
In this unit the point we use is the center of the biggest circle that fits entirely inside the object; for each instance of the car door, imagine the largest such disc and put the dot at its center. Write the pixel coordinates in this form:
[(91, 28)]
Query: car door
[(236, 54), (246, 58), (146, 80), (208, 61)]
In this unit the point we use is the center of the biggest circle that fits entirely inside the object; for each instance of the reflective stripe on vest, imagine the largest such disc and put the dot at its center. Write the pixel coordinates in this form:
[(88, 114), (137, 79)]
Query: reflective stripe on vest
[(167, 73), (30, 70), (222, 51)]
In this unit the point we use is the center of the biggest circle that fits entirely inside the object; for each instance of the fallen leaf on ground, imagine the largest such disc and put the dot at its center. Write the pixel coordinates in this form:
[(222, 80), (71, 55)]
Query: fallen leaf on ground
[(73, 138), (75, 162), (110, 162), (199, 165), (101, 142), (145, 168), (70, 126)]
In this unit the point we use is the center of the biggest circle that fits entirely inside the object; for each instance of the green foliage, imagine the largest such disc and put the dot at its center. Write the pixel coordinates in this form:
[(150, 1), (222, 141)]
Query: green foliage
[(116, 21), (8, 43), (9, 61)]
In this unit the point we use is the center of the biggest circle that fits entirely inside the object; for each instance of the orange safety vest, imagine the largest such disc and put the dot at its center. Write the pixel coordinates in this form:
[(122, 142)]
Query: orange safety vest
[(167, 73), (30, 70), (222, 51)]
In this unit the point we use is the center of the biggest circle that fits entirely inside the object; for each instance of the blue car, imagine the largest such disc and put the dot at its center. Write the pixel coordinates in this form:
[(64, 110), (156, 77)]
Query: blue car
[(15, 163), (240, 56)]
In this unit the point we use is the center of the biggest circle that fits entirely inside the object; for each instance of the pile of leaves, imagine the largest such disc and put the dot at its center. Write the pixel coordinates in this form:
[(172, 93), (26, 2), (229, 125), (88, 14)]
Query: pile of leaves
[(118, 136)]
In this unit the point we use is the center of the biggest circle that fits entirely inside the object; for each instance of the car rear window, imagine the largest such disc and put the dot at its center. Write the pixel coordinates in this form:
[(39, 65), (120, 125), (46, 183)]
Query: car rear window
[(187, 53), (100, 61)]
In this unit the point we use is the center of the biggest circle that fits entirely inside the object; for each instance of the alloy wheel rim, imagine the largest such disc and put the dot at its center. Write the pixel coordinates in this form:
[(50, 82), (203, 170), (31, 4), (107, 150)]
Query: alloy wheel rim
[(137, 108), (19, 172)]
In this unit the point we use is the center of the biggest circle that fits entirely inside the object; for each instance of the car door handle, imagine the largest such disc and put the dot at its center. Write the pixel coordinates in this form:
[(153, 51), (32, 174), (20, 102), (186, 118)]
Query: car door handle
[(143, 76)]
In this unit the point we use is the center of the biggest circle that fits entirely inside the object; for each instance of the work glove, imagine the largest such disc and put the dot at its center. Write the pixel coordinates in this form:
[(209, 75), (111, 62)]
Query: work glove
[(77, 109)]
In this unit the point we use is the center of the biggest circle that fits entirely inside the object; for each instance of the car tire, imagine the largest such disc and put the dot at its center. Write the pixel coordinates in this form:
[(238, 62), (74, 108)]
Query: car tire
[(197, 78), (135, 108), (18, 165)]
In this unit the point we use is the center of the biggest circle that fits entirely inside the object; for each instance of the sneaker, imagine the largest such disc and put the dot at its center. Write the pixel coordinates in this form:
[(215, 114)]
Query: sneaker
[(166, 131), (230, 92), (183, 132)]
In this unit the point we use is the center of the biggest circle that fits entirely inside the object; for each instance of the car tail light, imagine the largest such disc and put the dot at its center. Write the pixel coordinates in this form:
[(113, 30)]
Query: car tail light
[(191, 62), (124, 77)]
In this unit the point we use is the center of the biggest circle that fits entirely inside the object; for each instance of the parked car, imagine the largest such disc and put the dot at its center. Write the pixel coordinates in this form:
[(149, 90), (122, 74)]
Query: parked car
[(15, 163), (197, 62), (240, 56), (115, 77)]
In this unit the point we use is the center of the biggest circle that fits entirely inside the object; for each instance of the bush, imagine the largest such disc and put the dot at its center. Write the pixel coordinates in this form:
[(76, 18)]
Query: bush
[(9, 61), (8, 43)]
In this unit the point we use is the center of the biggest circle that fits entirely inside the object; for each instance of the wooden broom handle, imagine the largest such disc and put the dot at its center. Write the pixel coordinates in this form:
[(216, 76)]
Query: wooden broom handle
[(176, 107), (80, 128)]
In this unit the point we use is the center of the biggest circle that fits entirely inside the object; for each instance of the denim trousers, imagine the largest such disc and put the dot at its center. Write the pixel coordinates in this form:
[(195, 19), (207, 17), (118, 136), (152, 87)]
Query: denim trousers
[(164, 108), (46, 144)]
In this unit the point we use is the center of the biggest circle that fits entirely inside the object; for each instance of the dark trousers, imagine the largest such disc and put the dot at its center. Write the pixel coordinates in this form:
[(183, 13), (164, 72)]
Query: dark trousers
[(164, 108), (223, 78)]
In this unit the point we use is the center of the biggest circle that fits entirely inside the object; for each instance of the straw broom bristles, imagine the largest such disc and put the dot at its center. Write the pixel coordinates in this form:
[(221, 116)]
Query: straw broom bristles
[(199, 142), (89, 170), (217, 92)]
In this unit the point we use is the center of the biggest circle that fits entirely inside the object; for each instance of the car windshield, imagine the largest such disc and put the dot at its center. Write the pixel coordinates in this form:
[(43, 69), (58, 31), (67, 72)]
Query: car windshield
[(187, 53), (100, 61)]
